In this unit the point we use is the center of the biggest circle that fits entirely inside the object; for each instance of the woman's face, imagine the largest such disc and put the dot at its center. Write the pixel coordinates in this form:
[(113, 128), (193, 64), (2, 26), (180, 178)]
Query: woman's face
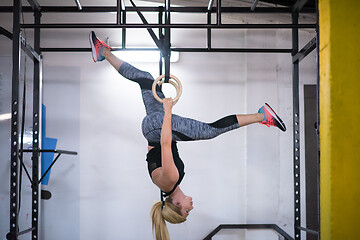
[(186, 205)]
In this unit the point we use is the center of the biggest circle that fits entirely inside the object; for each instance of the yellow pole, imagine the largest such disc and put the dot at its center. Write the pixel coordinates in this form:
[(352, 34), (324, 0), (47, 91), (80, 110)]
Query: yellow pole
[(339, 22)]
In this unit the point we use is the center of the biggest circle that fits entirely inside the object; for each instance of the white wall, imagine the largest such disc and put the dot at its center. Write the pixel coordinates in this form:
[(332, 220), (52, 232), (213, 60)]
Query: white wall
[(244, 176)]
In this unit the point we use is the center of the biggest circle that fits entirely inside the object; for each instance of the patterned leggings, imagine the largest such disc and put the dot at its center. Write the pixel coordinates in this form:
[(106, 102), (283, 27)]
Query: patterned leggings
[(183, 129)]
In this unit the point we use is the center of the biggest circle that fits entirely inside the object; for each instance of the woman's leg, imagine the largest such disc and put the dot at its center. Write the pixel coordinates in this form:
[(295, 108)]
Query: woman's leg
[(187, 129), (101, 51), (112, 59), (246, 119)]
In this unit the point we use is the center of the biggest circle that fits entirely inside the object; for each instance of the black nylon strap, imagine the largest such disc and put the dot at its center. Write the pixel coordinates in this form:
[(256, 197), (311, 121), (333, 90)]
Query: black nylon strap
[(162, 199), (151, 32)]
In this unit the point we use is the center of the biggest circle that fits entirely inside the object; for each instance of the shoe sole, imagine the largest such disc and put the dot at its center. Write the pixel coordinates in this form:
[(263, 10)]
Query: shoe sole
[(277, 118), (93, 50)]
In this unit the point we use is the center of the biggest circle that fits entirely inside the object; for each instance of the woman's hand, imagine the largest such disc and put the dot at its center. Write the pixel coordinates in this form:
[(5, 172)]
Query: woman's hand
[(168, 104)]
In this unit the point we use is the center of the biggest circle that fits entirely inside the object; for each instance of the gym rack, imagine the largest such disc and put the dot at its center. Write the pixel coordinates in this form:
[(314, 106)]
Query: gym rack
[(300, 6)]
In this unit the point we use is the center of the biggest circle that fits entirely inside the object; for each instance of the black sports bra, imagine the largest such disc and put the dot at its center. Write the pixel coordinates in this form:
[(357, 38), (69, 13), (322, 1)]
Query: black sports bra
[(153, 159)]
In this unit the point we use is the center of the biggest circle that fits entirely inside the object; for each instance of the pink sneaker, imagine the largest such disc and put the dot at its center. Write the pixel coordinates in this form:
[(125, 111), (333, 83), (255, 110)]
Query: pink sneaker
[(97, 47), (271, 118)]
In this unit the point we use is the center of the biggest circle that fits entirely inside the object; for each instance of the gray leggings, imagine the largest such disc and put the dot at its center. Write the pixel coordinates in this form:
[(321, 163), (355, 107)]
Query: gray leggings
[(183, 129)]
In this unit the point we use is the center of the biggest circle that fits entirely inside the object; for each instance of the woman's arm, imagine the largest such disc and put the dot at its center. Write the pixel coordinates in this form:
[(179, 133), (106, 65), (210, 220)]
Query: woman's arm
[(169, 171)]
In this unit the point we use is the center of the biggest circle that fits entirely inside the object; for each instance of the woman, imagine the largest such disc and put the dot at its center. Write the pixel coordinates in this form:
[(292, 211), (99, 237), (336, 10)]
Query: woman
[(162, 129)]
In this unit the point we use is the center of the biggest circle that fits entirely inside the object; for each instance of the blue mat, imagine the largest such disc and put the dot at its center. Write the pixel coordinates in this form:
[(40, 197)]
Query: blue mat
[(46, 143)]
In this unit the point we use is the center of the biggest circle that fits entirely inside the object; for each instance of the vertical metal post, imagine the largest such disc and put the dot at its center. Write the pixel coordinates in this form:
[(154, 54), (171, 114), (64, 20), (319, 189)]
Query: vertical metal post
[(36, 132), (218, 15), (318, 113), (123, 40), (14, 168), (161, 38), (167, 41), (296, 130), (209, 30), (118, 12)]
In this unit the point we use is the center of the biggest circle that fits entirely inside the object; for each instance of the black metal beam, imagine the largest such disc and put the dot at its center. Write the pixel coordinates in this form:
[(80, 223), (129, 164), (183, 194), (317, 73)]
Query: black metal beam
[(187, 26), (234, 50), (52, 151), (99, 9), (36, 130), (25, 231), (208, 32), (318, 115), (296, 129), (37, 150), (167, 43), (34, 5), (29, 50), (249, 226), (123, 35), (288, 3), (299, 5), (161, 37), (253, 6), (48, 169), (308, 230), (151, 32), (24, 45), (14, 165), (308, 48), (228, 50), (119, 9), (6, 33), (25, 168), (218, 12)]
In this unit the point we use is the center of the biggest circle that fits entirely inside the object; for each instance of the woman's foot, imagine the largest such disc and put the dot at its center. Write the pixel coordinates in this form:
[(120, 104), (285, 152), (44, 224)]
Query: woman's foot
[(271, 118), (97, 47)]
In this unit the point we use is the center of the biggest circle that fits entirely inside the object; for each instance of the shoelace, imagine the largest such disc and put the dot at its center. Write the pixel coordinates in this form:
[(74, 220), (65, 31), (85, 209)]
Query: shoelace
[(98, 43)]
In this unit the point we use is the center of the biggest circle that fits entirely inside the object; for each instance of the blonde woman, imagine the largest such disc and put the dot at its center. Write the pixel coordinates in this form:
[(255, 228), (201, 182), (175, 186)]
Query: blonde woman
[(162, 129)]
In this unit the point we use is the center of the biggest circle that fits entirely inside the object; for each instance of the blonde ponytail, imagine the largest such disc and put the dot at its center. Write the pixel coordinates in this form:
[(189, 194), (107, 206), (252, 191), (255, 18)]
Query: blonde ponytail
[(170, 213)]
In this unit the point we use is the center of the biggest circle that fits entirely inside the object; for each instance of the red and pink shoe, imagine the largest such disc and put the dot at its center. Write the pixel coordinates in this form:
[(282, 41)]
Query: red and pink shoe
[(97, 47), (271, 118)]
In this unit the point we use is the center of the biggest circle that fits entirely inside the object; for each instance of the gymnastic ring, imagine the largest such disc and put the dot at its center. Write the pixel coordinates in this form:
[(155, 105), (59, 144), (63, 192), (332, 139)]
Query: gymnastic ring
[(177, 86)]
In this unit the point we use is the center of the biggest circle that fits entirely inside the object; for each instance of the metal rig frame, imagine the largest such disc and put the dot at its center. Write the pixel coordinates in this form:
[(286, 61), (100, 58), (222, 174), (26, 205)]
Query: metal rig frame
[(164, 39)]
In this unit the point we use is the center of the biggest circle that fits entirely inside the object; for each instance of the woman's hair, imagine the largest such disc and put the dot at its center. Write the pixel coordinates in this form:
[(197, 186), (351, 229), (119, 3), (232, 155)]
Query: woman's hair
[(170, 213)]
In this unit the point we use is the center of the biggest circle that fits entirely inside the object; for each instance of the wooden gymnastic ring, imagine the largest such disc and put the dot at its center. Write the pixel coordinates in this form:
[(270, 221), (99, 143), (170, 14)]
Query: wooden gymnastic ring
[(176, 84)]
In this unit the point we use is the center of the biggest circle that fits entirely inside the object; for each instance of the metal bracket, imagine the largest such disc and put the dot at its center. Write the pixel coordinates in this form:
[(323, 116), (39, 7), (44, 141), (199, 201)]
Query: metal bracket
[(308, 48)]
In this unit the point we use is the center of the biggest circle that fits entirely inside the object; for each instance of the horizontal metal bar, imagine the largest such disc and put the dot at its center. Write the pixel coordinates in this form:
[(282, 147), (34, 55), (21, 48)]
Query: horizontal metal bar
[(6, 33), (99, 9), (234, 50), (308, 230), (51, 150), (228, 50), (187, 26), (26, 231), (249, 226), (308, 48)]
